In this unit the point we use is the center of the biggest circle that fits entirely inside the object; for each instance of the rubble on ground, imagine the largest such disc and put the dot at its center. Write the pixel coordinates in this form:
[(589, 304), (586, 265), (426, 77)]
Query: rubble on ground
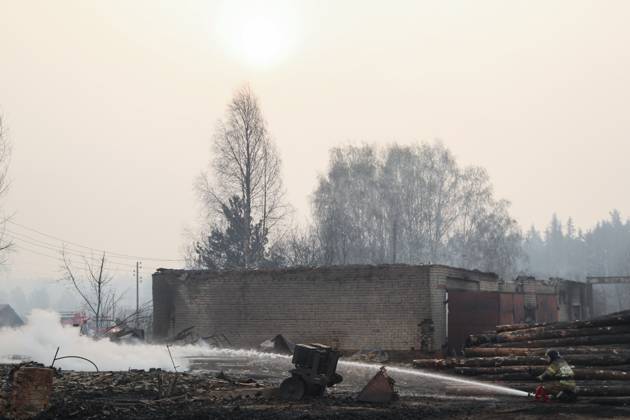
[(513, 355), (124, 333), (139, 393), (143, 395), (371, 356), (279, 344)]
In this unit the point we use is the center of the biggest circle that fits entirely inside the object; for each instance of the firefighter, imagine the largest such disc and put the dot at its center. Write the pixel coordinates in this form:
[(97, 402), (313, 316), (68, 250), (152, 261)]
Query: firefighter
[(559, 377)]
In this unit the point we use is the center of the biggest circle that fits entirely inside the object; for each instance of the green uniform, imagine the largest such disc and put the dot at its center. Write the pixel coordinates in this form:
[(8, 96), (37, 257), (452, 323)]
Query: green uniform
[(560, 377)]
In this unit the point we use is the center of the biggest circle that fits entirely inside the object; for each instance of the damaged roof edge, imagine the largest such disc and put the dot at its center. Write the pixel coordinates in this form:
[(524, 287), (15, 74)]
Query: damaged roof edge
[(298, 269)]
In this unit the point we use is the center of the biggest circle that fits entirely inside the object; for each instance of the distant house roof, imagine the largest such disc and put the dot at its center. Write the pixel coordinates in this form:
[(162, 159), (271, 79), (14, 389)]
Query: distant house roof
[(8, 317)]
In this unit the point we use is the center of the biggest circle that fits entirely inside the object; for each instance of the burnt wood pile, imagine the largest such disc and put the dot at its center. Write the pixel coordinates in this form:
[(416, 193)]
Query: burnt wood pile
[(513, 355)]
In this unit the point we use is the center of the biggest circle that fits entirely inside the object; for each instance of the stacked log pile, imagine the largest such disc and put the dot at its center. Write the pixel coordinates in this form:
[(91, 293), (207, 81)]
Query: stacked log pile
[(513, 355)]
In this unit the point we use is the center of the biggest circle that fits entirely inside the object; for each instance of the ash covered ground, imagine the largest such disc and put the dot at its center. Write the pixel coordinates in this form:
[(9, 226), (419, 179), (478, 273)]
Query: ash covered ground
[(205, 394)]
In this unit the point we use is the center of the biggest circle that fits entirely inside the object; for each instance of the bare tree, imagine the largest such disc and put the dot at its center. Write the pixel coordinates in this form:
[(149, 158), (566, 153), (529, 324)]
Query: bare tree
[(5, 156), (245, 169), (93, 284), (301, 248)]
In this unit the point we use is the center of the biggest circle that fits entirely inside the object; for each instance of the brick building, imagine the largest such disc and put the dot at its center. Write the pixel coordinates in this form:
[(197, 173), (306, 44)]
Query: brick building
[(394, 307)]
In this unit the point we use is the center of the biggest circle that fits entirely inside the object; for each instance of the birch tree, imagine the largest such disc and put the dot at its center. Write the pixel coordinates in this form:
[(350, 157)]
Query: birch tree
[(411, 204), (245, 168)]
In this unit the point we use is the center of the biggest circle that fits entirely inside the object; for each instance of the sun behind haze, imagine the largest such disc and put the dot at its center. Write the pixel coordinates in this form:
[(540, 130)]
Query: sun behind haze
[(261, 34)]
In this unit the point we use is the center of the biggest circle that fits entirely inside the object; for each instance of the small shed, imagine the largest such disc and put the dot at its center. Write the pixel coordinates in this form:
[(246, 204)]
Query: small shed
[(8, 317)]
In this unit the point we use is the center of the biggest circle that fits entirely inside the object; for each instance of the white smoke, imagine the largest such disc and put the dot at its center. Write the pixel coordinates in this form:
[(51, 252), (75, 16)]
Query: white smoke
[(43, 332), (39, 338)]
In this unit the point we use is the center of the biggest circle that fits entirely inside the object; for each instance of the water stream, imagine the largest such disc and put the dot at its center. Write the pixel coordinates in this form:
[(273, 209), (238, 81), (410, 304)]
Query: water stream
[(274, 368), (393, 371)]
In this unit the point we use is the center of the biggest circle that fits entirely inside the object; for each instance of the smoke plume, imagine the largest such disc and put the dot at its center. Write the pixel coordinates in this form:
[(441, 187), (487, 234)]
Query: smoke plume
[(39, 338)]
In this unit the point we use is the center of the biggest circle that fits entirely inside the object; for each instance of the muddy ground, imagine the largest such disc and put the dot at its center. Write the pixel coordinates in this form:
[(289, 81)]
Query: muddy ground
[(151, 395)]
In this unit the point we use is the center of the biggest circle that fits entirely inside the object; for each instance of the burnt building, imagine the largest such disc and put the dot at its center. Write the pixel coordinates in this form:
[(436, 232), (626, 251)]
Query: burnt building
[(428, 308)]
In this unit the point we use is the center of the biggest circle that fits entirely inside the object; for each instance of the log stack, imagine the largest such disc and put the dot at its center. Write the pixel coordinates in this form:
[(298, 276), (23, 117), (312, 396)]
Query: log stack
[(513, 355)]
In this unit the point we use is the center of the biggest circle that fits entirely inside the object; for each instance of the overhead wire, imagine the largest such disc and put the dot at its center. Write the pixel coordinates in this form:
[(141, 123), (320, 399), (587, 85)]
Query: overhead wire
[(60, 260), (117, 254), (67, 251), (63, 249), (112, 266), (20, 246)]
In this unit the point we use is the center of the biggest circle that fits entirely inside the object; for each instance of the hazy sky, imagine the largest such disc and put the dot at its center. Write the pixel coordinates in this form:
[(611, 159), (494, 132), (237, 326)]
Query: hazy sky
[(110, 105)]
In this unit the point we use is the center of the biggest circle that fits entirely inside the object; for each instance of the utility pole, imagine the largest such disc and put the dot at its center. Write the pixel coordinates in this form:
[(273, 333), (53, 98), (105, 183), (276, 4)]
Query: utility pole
[(138, 265)]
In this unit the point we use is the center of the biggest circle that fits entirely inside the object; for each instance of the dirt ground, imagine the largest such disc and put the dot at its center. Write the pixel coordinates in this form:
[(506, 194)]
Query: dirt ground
[(151, 395), (326, 408)]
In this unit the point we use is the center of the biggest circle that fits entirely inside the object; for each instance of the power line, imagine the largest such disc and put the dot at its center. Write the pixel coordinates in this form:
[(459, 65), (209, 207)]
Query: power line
[(39, 241), (60, 260), (127, 256), (115, 270), (20, 246), (112, 264), (35, 242)]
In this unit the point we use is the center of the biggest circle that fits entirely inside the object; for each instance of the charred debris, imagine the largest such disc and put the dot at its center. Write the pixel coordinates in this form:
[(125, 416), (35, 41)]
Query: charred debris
[(32, 390)]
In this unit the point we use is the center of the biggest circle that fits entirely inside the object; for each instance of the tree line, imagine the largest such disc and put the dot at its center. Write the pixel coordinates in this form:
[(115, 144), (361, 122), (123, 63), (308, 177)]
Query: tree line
[(562, 250), (397, 204), (411, 204)]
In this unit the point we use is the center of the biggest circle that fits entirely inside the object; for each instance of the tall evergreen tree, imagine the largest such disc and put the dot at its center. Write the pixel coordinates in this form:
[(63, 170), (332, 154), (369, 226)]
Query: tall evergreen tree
[(224, 248)]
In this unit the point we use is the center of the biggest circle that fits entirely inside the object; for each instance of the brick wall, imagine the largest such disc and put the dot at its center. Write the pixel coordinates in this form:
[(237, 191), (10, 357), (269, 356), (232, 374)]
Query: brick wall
[(30, 391), (350, 307)]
